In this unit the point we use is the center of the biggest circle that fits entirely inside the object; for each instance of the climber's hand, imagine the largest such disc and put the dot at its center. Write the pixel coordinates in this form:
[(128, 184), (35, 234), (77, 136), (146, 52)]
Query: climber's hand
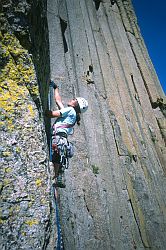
[(52, 84), (48, 113), (52, 114)]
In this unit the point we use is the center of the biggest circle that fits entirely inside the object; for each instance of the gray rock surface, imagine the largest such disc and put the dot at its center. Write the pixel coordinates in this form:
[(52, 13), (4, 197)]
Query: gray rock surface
[(114, 197), (115, 185), (27, 216)]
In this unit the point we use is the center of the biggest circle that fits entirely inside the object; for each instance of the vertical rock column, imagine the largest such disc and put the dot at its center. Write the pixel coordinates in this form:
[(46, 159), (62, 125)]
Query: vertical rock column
[(114, 197)]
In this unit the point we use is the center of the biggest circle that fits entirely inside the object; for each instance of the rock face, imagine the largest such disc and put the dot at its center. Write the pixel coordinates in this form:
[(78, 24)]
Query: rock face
[(115, 194), (26, 210), (115, 184)]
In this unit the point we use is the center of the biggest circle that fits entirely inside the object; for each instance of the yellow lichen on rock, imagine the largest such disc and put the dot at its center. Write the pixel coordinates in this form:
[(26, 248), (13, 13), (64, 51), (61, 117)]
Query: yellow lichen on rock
[(8, 170), (17, 79), (38, 182), (31, 112), (6, 154), (32, 222)]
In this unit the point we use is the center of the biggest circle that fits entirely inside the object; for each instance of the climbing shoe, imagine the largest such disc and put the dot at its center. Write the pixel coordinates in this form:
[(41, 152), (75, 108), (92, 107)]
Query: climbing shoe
[(60, 180)]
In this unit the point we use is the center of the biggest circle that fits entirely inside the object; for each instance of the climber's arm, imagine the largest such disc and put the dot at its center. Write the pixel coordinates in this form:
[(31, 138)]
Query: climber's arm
[(58, 99), (52, 114), (57, 96)]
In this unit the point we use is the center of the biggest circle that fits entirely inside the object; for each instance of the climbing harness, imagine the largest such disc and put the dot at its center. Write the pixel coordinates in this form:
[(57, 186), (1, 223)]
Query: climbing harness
[(63, 147)]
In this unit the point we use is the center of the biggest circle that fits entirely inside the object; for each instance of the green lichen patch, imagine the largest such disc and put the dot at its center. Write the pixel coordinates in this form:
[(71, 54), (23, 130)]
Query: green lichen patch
[(95, 169)]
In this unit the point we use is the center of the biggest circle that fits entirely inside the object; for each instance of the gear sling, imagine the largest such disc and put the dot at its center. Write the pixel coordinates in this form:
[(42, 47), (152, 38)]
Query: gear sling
[(62, 146)]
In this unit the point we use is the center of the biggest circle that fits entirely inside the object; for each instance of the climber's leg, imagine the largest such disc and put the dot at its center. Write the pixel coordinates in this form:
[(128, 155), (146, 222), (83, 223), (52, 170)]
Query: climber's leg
[(59, 171)]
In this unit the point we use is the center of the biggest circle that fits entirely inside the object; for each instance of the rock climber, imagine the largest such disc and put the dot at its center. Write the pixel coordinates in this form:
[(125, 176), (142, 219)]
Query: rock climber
[(63, 126)]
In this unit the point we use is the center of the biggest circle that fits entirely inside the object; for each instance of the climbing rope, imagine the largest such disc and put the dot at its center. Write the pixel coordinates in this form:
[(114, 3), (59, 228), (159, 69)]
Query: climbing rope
[(50, 104), (59, 239)]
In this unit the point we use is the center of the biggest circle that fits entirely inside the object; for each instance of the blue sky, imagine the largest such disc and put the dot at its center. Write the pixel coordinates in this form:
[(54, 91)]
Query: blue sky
[(151, 16)]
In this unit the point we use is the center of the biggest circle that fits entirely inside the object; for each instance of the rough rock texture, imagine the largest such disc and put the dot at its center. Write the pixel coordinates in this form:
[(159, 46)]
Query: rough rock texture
[(26, 210), (115, 195)]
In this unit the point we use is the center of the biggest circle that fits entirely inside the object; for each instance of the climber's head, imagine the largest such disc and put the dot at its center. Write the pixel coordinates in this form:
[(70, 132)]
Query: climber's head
[(79, 103), (82, 103)]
